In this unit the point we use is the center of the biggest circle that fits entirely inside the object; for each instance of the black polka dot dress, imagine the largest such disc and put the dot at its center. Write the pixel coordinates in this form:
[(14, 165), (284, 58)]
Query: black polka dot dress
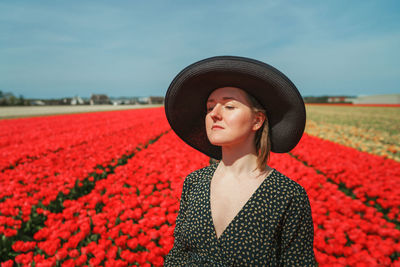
[(274, 228)]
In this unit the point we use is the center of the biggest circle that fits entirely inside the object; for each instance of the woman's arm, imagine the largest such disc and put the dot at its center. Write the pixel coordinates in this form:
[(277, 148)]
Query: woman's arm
[(298, 233), (178, 255)]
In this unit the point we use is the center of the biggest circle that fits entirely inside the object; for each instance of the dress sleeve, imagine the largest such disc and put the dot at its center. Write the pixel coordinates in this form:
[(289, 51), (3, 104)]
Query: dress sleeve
[(297, 237), (178, 255)]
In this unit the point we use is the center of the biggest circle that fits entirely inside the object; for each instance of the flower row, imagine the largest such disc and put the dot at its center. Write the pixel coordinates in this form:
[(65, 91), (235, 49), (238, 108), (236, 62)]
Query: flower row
[(44, 179), (370, 129), (367, 140), (125, 213), (129, 217), (126, 219), (25, 140), (371, 178), (346, 230)]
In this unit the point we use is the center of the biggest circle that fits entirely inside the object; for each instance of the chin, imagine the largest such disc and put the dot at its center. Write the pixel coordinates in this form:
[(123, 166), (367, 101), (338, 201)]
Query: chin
[(214, 141), (219, 141)]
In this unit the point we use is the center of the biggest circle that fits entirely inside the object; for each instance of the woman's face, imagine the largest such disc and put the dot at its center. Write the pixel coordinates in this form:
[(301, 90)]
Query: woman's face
[(230, 119)]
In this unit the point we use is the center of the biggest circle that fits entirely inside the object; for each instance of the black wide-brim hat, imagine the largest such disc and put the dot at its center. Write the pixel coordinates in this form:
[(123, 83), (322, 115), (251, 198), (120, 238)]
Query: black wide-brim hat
[(185, 100)]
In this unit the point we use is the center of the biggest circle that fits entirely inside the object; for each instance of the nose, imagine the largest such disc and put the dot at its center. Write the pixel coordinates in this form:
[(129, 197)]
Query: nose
[(215, 113)]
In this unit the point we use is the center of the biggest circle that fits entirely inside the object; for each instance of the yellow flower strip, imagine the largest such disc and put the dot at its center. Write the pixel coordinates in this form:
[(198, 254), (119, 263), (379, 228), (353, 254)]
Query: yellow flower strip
[(362, 128)]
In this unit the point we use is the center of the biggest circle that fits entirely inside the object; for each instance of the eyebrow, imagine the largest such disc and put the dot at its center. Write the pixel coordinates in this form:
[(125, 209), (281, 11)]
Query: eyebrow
[(224, 98)]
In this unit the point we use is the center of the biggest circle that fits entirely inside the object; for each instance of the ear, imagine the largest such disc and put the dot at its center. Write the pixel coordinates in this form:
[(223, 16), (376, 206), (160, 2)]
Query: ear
[(259, 119)]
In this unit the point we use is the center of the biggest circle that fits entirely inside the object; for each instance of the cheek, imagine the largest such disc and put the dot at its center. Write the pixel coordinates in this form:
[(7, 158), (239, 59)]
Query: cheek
[(240, 120), (208, 123)]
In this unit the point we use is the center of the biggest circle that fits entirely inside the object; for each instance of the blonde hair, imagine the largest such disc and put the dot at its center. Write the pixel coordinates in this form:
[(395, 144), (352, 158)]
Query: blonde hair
[(261, 139)]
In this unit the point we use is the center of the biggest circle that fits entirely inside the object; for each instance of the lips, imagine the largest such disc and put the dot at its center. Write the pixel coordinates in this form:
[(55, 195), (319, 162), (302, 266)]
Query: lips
[(217, 127)]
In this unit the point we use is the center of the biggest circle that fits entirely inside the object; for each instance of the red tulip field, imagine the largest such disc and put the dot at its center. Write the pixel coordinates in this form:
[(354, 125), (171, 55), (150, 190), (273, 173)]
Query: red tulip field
[(103, 189)]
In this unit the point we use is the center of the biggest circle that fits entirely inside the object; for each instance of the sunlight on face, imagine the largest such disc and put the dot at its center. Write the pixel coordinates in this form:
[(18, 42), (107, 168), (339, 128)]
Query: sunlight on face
[(230, 119)]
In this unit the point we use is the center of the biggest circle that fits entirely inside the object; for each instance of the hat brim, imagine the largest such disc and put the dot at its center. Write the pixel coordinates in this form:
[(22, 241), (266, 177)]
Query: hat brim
[(185, 100)]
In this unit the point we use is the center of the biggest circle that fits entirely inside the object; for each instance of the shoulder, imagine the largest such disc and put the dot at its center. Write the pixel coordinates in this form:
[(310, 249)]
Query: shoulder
[(284, 185), (200, 175), (286, 195)]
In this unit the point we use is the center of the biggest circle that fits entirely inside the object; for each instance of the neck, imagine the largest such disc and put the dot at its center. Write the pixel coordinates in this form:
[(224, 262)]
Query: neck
[(239, 161)]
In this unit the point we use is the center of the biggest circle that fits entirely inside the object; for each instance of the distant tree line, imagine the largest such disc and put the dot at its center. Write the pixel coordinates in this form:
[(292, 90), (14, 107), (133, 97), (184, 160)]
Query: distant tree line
[(328, 99), (8, 99), (316, 99)]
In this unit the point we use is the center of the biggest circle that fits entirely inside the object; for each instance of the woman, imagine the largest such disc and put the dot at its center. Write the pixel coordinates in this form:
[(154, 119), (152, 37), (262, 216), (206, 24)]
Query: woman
[(239, 212)]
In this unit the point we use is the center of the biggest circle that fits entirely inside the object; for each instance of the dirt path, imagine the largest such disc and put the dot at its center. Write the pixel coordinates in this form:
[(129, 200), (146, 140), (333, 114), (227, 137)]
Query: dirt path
[(33, 111)]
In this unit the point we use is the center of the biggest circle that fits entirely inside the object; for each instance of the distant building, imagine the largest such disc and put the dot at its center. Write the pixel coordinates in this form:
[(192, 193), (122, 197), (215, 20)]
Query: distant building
[(37, 103), (151, 100), (156, 100), (378, 99), (56, 102), (339, 99), (76, 100), (328, 99), (99, 99), (124, 101), (144, 100), (66, 101)]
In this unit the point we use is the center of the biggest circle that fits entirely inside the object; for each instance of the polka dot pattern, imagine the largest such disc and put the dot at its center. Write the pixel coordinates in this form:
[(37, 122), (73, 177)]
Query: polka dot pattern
[(274, 228)]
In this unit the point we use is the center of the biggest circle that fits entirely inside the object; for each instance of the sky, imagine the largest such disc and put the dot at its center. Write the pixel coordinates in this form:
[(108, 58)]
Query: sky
[(54, 48)]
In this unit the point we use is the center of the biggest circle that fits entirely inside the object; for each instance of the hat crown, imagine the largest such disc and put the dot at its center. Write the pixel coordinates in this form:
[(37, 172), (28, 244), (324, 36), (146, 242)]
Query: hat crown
[(187, 94)]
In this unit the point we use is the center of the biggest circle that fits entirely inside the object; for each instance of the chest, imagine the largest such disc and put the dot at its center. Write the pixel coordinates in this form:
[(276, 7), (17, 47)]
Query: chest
[(230, 218), (227, 198)]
